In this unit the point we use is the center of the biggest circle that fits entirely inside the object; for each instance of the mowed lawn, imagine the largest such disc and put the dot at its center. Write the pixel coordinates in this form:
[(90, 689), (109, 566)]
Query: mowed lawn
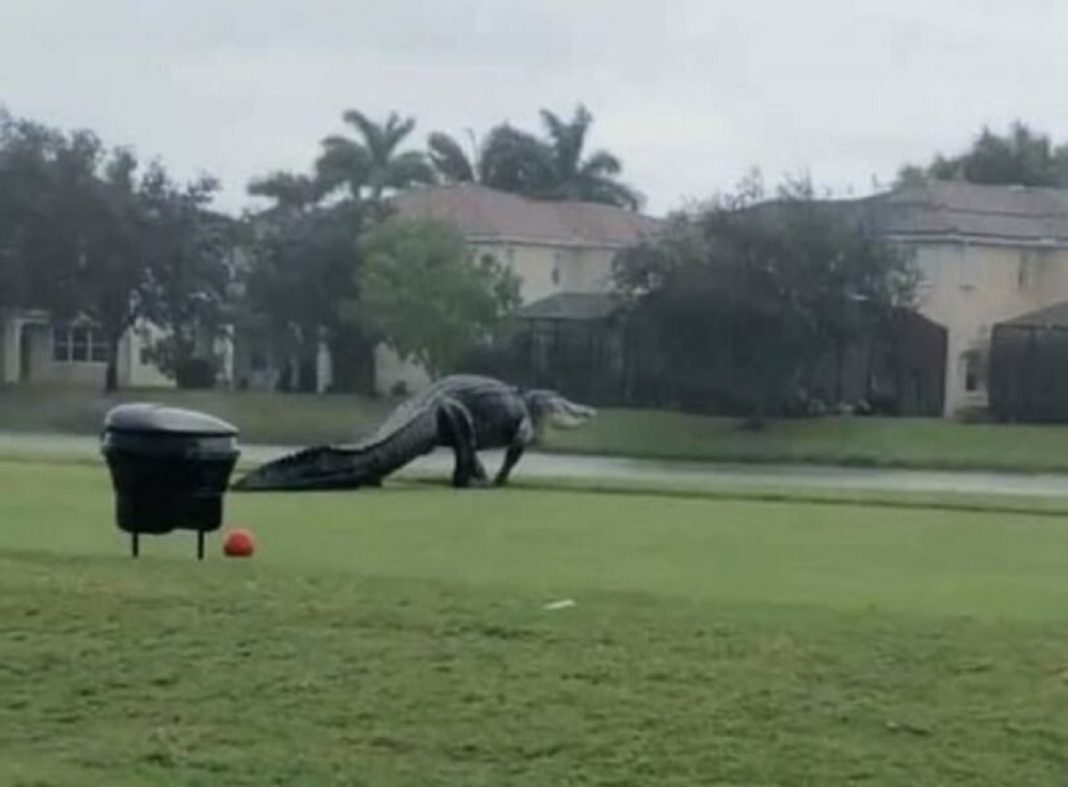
[(400, 637)]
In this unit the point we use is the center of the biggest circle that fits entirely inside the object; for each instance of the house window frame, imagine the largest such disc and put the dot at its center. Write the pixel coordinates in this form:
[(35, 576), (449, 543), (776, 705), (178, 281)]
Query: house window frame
[(974, 371), (557, 272), (78, 343)]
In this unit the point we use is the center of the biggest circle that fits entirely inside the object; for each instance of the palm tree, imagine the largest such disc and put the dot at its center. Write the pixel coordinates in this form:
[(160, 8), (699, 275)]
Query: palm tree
[(553, 168), (371, 166), (288, 190), (590, 179), (508, 160), (450, 160)]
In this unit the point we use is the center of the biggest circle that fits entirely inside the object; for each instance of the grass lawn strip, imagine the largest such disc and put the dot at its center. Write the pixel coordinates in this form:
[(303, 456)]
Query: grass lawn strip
[(400, 637)]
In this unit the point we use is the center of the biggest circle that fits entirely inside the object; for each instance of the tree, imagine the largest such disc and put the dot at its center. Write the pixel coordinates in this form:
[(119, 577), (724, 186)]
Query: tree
[(50, 195), (146, 249), (450, 160), (551, 168), (303, 272), (289, 191), (81, 232), (306, 258), (188, 250), (431, 300), (508, 160), (1020, 157), (372, 165), (591, 179), (743, 298), (111, 271), (26, 151)]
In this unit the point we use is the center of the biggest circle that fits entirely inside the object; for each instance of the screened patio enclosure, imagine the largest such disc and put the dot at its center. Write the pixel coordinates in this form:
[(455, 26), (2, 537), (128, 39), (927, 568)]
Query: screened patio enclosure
[(1028, 374)]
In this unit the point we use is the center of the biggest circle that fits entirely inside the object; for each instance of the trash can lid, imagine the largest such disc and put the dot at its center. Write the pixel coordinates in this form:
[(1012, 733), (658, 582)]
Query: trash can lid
[(146, 418)]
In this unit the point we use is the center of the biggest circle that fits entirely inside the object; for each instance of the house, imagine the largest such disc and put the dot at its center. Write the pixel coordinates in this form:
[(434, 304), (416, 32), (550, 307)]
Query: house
[(553, 246), (34, 348), (257, 361), (561, 251), (38, 348), (987, 255)]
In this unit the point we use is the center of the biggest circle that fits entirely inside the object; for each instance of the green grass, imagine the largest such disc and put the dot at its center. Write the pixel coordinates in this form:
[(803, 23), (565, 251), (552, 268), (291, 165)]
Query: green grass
[(877, 442), (262, 417), (398, 637), (874, 442)]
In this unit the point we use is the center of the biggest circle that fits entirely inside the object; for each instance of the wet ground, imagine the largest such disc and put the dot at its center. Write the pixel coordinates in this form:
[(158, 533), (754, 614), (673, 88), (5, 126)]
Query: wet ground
[(603, 468)]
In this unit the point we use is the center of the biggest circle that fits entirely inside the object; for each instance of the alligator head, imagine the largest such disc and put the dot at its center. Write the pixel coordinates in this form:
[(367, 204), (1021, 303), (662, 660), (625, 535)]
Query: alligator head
[(550, 408)]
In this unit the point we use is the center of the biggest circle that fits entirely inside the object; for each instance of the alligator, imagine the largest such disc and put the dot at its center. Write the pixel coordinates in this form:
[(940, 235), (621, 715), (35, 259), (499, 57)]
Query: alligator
[(463, 412)]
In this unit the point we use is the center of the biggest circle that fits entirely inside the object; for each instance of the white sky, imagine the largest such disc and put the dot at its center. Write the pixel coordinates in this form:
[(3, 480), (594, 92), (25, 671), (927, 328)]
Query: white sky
[(690, 93)]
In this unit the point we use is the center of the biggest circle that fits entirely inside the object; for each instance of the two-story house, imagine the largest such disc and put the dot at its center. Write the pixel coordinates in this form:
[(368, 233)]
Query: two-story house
[(986, 254), (562, 252)]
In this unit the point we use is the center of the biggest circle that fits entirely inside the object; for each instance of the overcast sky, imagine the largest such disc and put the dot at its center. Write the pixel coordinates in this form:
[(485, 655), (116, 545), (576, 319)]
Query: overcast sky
[(690, 93)]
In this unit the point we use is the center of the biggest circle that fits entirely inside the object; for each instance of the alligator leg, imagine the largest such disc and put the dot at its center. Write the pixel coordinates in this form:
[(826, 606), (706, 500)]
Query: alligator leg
[(478, 470), (511, 457), (468, 468), (524, 433)]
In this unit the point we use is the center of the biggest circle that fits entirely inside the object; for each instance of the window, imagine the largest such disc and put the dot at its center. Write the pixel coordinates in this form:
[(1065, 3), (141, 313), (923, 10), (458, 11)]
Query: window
[(78, 344), (973, 370), (558, 261), (98, 350), (60, 344)]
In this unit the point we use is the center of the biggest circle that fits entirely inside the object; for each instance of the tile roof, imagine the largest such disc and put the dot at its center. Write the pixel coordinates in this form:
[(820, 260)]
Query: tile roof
[(1007, 213), (482, 213)]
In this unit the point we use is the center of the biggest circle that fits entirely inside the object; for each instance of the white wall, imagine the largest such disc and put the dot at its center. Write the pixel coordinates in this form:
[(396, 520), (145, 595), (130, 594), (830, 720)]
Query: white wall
[(969, 287), (588, 270), (133, 371), (533, 264), (391, 370), (547, 270)]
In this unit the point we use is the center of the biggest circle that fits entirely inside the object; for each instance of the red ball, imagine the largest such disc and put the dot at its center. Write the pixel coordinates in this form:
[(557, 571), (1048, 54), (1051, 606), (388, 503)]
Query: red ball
[(239, 543)]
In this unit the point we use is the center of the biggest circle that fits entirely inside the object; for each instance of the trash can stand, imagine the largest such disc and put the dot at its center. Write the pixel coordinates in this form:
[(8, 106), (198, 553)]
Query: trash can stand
[(170, 469)]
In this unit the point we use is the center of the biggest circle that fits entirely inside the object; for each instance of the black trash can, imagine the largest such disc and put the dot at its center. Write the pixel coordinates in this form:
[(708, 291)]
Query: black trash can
[(170, 469)]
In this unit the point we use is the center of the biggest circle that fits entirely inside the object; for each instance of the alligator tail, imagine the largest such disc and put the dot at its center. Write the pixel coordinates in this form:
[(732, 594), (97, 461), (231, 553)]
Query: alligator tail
[(345, 467)]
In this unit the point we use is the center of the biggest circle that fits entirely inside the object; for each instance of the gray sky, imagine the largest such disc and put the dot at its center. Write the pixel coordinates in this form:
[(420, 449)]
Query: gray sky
[(690, 93)]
